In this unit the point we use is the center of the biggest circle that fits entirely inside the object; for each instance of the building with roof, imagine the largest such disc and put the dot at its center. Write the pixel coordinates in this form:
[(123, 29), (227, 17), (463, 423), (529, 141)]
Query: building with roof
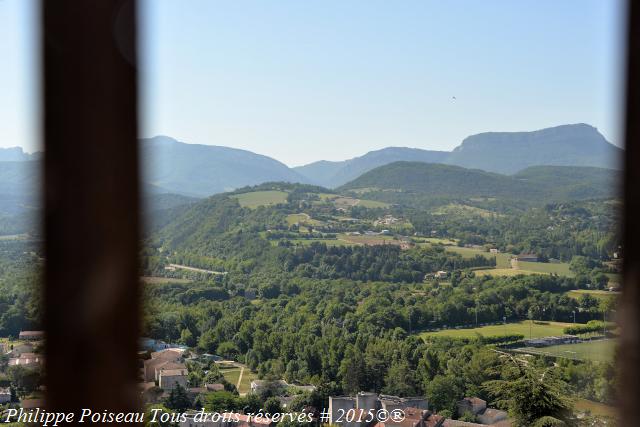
[(31, 335), (27, 360), (170, 378), (5, 395), (365, 403), (478, 407), (159, 359)]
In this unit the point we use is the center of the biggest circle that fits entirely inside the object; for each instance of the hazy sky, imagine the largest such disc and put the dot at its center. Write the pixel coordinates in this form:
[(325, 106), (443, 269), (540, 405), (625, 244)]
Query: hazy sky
[(308, 80)]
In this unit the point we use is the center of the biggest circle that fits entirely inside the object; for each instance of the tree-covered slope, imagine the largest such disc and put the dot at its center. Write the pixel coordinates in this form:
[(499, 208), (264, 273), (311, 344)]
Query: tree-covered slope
[(442, 181), (399, 182)]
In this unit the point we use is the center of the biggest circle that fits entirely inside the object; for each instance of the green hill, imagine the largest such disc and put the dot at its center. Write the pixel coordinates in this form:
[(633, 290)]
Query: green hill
[(454, 182)]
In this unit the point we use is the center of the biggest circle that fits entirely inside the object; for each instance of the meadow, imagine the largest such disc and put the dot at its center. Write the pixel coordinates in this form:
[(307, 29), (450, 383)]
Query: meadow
[(525, 327), (597, 351), (261, 198)]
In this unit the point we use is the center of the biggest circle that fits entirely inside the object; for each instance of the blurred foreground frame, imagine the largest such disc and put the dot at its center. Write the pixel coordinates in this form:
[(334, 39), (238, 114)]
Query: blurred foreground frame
[(91, 224), (92, 297), (629, 352)]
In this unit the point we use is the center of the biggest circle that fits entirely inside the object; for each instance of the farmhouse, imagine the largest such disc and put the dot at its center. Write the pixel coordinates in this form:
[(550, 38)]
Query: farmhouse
[(526, 257), (478, 407), (27, 359), (441, 274), (5, 395), (168, 379), (31, 335)]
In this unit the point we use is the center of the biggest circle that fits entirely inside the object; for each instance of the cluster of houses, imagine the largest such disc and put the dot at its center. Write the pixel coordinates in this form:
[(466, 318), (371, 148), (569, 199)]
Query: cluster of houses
[(23, 354), (386, 220), (415, 412)]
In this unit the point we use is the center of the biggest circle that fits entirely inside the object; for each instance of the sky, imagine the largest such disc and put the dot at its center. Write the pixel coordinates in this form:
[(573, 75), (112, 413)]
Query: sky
[(302, 81)]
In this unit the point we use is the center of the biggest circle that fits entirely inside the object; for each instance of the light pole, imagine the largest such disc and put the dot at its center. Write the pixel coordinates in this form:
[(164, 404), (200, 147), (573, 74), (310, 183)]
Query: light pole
[(574, 316)]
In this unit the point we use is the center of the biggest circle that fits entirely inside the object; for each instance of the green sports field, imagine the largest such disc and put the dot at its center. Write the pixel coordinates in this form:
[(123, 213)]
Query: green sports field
[(524, 327), (597, 351)]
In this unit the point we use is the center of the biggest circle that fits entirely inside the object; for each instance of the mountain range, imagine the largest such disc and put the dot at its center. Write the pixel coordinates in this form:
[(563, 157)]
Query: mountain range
[(194, 170), (500, 152)]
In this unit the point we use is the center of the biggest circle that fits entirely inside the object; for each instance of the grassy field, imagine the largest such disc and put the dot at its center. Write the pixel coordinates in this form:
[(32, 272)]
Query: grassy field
[(436, 240), (594, 293), (261, 198), (150, 280), (597, 351), (560, 268), (232, 374), (301, 218), (456, 208), (502, 272), (524, 327), (377, 239), (328, 242)]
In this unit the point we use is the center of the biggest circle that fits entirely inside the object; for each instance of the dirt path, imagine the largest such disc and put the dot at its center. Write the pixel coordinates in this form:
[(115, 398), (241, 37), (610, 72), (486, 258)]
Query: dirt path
[(240, 378)]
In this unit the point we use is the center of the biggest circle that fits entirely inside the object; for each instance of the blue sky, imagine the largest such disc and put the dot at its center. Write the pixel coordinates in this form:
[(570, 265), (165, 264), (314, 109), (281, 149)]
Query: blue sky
[(308, 80)]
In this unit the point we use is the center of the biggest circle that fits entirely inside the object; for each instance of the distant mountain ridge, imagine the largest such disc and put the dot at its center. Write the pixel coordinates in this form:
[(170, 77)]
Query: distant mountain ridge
[(17, 154), (202, 170), (194, 170), (501, 152), (334, 174), (510, 152)]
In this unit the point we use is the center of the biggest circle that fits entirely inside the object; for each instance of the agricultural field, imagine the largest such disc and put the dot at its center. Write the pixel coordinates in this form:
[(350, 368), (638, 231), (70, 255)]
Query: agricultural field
[(436, 241), (378, 239), (301, 218), (597, 350), (559, 268), (527, 328), (577, 293), (458, 209), (502, 272), (261, 198)]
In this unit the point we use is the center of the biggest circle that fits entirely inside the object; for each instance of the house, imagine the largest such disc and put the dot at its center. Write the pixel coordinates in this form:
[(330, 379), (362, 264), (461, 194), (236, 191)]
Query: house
[(27, 360), (478, 408), (364, 403), (5, 395), (214, 387), (31, 335), (167, 366), (527, 257), (441, 275), (169, 379), (151, 344), (494, 251), (159, 358)]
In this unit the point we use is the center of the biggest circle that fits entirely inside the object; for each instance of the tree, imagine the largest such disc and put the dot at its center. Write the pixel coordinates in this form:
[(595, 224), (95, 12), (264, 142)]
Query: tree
[(443, 392), (24, 380), (272, 405), (535, 397), (178, 400)]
